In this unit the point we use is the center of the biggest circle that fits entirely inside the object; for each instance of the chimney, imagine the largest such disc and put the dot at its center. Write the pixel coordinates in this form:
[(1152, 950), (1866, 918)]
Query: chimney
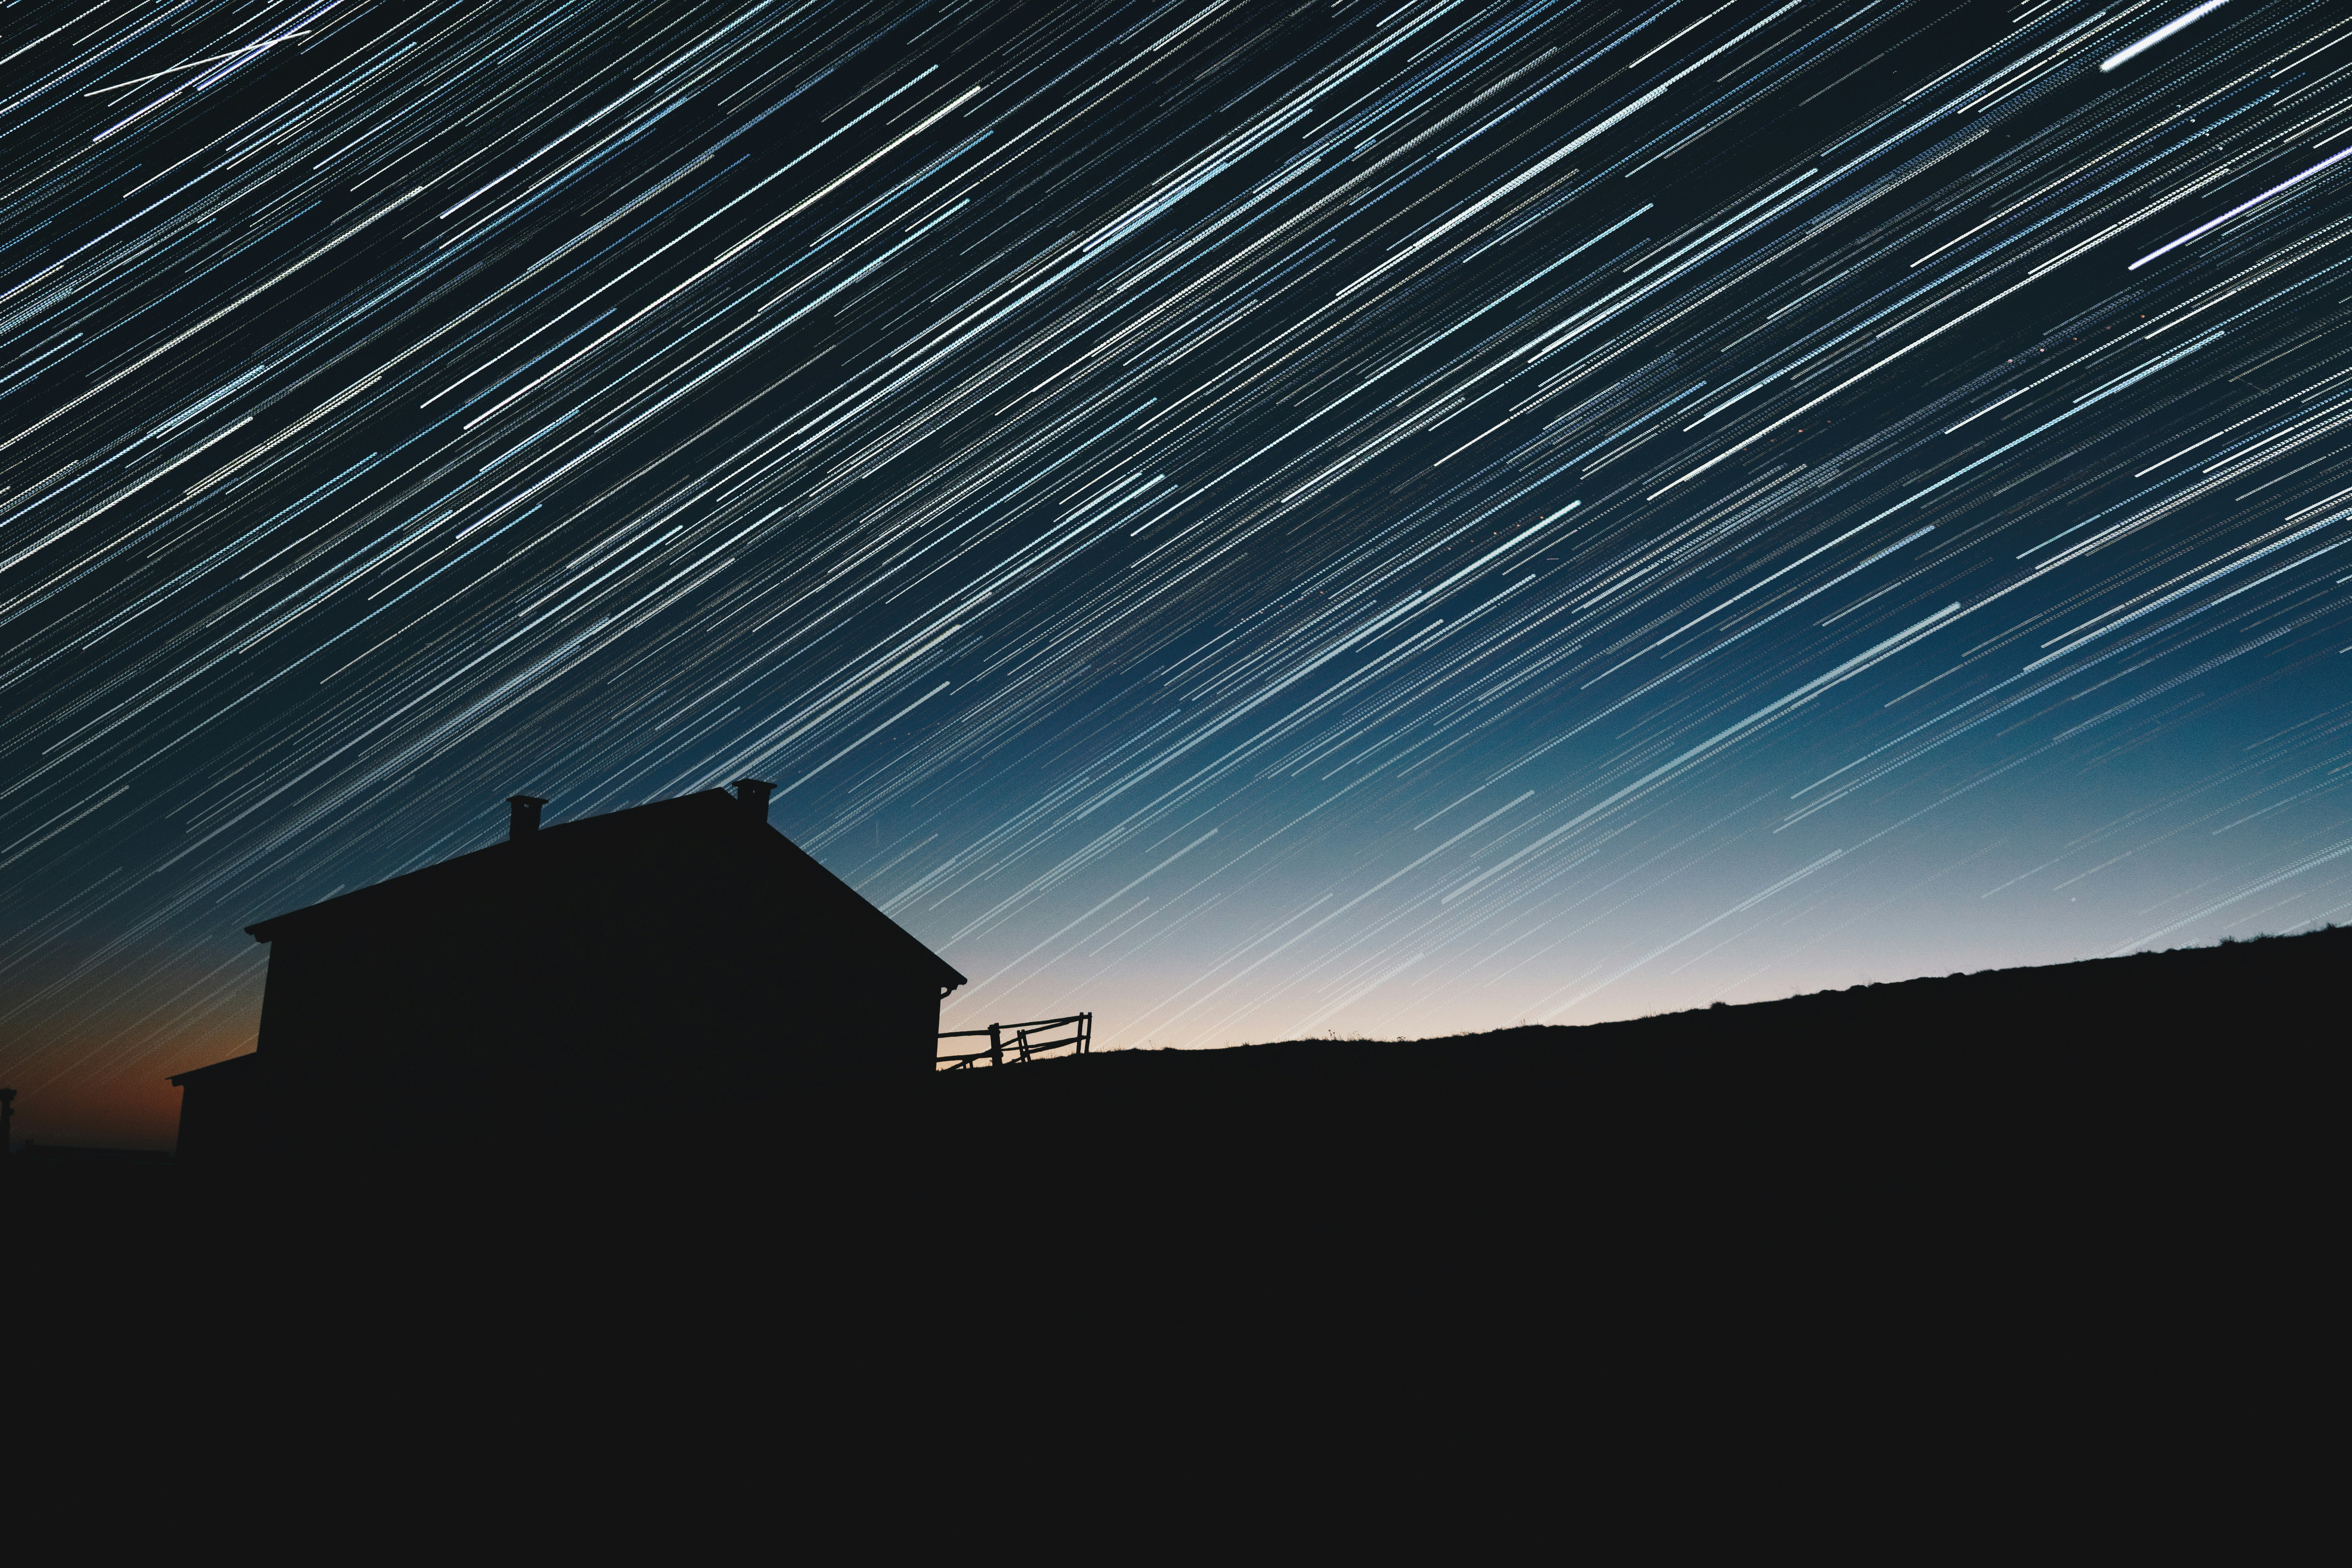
[(753, 794), (522, 818)]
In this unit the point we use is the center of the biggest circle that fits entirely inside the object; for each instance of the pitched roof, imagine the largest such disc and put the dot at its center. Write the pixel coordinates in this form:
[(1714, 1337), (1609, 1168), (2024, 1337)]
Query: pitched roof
[(234, 1067), (706, 821)]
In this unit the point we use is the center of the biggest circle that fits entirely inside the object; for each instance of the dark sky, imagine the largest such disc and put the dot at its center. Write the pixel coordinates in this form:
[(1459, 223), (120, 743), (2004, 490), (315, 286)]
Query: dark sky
[(1252, 520)]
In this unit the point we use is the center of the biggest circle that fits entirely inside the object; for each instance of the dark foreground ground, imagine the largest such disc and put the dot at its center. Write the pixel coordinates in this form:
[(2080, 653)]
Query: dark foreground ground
[(2053, 1242), (2075, 1107), (2157, 1106)]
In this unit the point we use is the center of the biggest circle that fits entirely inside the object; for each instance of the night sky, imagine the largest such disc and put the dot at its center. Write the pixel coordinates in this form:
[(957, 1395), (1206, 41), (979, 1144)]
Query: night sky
[(1249, 519)]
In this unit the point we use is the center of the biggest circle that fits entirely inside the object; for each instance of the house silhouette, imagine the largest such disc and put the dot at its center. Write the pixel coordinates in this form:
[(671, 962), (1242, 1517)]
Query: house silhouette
[(680, 965), (220, 1115)]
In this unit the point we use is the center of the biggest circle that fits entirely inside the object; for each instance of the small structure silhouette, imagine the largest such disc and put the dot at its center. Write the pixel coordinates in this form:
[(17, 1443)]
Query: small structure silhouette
[(682, 959), (221, 1115)]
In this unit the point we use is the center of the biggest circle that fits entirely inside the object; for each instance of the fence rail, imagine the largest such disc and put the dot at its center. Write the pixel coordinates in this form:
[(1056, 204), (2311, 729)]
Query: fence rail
[(1021, 1042)]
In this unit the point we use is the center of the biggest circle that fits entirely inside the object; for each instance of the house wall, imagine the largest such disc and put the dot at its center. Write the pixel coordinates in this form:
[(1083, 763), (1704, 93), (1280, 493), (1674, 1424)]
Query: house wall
[(222, 1122), (576, 998)]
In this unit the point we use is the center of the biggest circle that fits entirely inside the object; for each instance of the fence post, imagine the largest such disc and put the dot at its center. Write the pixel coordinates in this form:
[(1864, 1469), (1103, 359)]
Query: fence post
[(995, 1047)]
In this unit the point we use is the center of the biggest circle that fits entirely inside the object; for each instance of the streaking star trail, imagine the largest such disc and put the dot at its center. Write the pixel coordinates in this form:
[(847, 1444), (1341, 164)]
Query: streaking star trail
[(1248, 520)]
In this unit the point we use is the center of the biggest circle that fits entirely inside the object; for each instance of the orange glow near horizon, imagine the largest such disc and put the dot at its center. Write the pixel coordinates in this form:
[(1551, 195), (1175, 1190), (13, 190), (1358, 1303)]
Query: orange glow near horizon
[(132, 1108), (133, 1111)]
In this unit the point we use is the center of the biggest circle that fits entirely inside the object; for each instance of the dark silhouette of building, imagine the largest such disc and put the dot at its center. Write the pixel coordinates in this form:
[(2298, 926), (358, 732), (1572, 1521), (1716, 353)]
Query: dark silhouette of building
[(677, 966), (220, 1114)]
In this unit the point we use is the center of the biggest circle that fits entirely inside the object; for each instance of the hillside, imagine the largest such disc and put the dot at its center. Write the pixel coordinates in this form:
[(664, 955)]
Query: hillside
[(2102, 1162), (2107, 1095), (2163, 1079), (2233, 1018), (2239, 988)]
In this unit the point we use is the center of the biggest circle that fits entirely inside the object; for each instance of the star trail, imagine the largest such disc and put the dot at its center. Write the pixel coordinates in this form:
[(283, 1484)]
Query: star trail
[(1248, 519)]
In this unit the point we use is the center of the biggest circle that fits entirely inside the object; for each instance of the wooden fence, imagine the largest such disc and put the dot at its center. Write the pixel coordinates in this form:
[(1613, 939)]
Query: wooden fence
[(1020, 1042)]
